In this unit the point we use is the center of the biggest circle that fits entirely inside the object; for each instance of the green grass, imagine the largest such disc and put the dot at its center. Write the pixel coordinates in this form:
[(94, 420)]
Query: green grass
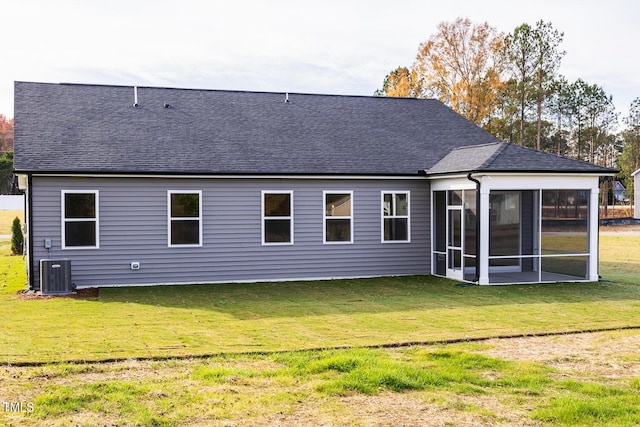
[(371, 371), (201, 320), (620, 258), (172, 321), (581, 403)]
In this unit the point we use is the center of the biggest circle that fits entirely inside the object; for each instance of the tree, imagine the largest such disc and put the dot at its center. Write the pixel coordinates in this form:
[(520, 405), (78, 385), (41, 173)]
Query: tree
[(6, 156), (558, 105), (597, 110), (629, 160), (504, 123), (402, 83), (591, 117), (17, 238), (6, 134), (518, 54), (7, 178), (532, 56), (546, 63), (459, 66), (510, 86)]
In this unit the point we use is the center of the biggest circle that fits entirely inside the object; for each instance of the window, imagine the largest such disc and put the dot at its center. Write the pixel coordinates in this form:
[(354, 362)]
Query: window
[(185, 218), (395, 217), (338, 215), (277, 218), (80, 219)]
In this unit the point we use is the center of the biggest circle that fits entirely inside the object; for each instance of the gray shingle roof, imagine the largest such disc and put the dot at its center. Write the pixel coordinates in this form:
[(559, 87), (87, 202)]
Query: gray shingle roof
[(505, 157), (96, 129), (470, 158)]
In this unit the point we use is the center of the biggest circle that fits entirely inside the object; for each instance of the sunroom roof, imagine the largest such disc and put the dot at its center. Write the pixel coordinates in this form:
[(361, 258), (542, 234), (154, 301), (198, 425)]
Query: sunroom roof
[(506, 157)]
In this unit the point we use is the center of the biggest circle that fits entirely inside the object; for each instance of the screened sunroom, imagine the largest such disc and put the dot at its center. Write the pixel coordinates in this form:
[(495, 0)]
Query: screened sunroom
[(503, 214), (521, 229)]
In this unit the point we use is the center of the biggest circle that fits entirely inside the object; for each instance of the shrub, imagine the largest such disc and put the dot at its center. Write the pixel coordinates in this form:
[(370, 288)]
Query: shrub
[(17, 239)]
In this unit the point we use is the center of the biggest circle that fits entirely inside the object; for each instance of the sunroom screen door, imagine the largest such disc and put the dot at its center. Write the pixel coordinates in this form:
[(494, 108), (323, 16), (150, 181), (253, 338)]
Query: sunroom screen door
[(454, 239)]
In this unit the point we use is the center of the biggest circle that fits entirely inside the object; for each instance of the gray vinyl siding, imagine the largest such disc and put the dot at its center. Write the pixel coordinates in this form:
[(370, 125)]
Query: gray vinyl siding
[(133, 227)]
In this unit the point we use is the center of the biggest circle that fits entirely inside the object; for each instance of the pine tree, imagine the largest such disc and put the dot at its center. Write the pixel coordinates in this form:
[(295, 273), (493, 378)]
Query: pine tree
[(17, 239)]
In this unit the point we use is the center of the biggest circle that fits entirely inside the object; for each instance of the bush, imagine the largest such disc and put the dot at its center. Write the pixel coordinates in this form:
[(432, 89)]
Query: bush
[(17, 239)]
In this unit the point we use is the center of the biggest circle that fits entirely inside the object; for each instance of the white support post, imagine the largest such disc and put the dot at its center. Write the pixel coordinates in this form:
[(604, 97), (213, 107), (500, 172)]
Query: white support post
[(594, 216), (483, 257)]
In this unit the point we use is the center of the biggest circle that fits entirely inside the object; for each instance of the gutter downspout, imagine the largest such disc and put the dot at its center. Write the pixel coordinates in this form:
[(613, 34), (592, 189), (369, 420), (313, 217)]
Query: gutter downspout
[(29, 221), (471, 178)]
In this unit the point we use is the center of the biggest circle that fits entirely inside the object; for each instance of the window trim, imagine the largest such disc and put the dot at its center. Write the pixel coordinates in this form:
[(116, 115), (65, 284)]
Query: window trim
[(264, 218), (325, 217), (64, 219), (395, 216), (170, 218)]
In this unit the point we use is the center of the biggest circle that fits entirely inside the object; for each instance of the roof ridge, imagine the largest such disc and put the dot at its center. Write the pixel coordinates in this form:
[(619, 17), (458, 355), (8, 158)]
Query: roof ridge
[(501, 147), (476, 146), (235, 91)]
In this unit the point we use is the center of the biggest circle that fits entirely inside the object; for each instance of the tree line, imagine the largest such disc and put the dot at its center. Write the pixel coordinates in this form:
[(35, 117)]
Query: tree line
[(7, 179), (510, 85)]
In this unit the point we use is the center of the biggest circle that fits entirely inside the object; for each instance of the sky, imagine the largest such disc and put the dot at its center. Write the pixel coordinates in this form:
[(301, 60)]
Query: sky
[(343, 47)]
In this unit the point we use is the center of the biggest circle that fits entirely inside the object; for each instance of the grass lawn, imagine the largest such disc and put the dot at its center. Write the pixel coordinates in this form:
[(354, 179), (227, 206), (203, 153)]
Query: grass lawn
[(158, 322), (244, 383)]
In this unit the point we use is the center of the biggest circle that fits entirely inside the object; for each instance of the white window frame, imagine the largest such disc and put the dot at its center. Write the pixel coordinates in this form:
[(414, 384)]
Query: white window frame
[(326, 217), (264, 218), (395, 216), (190, 218), (64, 219)]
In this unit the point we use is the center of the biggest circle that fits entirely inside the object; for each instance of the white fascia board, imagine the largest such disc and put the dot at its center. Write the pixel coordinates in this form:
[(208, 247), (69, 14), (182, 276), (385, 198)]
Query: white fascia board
[(516, 181), (537, 182), (453, 183), (516, 174)]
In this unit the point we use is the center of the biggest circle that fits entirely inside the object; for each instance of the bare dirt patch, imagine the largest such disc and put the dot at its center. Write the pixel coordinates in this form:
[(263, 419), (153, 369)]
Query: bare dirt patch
[(620, 229), (605, 354), (80, 293), (416, 408)]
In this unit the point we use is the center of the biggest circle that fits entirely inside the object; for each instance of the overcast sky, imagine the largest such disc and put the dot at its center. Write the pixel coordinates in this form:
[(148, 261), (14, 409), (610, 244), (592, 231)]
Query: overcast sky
[(329, 46)]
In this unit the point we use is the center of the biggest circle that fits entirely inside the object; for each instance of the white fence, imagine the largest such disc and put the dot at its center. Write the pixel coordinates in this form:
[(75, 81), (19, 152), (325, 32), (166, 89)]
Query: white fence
[(11, 203)]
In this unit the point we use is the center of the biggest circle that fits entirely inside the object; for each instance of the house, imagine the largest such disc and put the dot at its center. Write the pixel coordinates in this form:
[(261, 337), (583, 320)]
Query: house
[(636, 193), (619, 192), (147, 185)]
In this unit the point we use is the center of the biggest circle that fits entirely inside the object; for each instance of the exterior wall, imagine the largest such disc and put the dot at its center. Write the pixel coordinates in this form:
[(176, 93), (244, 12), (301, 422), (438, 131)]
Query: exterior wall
[(133, 228)]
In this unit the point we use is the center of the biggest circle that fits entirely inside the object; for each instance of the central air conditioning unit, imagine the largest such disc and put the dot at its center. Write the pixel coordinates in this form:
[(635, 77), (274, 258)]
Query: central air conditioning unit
[(55, 277)]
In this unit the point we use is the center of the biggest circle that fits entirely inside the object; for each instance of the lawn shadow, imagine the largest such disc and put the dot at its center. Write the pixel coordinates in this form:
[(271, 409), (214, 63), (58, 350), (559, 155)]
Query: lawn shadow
[(355, 296)]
